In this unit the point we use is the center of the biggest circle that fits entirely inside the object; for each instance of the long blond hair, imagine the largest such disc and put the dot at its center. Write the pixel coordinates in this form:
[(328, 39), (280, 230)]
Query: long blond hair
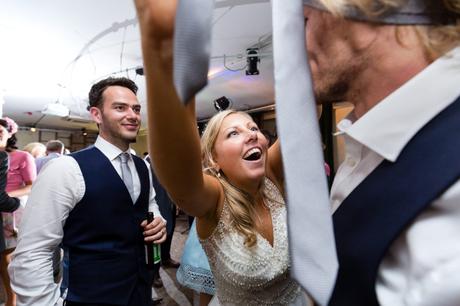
[(241, 204), (436, 39)]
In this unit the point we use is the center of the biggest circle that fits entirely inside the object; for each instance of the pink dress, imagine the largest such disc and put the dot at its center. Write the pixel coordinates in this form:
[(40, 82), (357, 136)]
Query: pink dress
[(21, 170)]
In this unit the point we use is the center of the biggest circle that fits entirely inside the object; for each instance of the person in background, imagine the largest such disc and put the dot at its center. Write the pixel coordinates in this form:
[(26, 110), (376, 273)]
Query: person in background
[(21, 175), (36, 149), (95, 202), (168, 211), (7, 203), (54, 149), (194, 271)]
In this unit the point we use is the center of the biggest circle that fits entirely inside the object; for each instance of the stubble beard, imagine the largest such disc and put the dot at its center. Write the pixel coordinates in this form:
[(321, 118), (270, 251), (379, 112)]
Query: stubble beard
[(332, 86), (115, 133), (336, 83)]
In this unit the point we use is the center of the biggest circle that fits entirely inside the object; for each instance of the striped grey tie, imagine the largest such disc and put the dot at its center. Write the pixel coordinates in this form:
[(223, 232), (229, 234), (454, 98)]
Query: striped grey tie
[(311, 235), (311, 238), (126, 175), (192, 46)]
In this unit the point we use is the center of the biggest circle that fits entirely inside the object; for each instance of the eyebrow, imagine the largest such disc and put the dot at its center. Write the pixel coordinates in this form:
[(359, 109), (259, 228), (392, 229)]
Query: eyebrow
[(237, 126), (231, 127), (116, 103), (119, 103)]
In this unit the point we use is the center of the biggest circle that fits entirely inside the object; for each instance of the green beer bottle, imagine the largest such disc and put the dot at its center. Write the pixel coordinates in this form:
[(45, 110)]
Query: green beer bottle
[(152, 250)]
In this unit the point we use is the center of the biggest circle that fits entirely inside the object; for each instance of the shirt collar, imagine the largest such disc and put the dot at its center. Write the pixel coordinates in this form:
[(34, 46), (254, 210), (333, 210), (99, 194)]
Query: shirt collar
[(53, 154), (109, 150), (391, 124)]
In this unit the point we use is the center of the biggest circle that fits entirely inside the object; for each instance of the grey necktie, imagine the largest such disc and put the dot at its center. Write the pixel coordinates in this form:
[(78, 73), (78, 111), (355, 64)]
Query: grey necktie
[(311, 235), (126, 173), (311, 238), (192, 46)]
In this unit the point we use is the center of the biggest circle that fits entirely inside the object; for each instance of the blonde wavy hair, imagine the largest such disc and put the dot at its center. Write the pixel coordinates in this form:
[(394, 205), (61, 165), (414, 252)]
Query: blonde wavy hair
[(436, 39), (36, 149), (241, 205)]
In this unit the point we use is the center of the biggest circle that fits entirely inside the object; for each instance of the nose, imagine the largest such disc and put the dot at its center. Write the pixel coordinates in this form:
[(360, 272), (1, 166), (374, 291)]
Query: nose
[(132, 113), (252, 135)]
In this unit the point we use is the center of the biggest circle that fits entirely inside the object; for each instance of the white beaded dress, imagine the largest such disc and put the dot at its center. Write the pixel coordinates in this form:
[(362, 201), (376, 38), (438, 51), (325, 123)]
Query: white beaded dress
[(258, 275)]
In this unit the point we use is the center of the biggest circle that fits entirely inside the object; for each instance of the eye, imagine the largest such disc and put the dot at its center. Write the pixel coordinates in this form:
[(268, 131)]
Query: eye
[(119, 108), (137, 109), (232, 133), (255, 128)]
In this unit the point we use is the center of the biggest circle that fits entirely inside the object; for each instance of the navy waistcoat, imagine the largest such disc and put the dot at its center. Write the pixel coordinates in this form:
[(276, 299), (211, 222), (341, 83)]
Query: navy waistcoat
[(103, 238), (388, 201)]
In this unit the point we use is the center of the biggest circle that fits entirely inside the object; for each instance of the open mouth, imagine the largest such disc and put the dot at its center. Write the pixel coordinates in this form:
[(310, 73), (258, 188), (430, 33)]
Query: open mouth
[(253, 154)]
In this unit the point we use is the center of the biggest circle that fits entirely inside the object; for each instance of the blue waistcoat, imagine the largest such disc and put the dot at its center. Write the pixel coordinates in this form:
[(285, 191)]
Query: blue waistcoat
[(388, 201), (103, 238)]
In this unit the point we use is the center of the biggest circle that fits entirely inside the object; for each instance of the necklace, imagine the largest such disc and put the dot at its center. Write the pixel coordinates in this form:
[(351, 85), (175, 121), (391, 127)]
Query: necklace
[(265, 208)]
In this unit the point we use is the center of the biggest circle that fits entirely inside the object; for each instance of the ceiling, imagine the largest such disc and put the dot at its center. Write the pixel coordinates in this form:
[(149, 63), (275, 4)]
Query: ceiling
[(53, 50)]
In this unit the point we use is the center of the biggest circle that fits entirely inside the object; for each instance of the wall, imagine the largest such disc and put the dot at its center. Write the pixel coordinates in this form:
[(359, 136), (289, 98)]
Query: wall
[(73, 140), (25, 137), (340, 111), (141, 144)]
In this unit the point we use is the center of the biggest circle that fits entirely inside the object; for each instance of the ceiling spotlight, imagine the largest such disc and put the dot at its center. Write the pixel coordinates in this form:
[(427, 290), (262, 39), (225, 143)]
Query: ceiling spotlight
[(221, 103), (83, 131), (252, 58), (33, 129), (140, 70)]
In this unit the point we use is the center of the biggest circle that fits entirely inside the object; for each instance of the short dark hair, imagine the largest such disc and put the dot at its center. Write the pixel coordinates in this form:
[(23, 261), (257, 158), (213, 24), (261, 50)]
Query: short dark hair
[(96, 91), (11, 142), (4, 123), (54, 146)]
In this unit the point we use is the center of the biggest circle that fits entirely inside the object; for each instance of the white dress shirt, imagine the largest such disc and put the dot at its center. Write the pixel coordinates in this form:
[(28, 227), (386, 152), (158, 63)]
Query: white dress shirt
[(422, 266), (58, 188)]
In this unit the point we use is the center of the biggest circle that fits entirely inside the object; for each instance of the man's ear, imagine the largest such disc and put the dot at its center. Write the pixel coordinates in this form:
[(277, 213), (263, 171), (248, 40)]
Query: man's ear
[(96, 114)]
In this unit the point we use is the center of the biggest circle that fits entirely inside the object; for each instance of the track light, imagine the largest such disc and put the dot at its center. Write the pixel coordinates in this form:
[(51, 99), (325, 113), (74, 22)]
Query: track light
[(221, 103), (140, 70), (252, 58)]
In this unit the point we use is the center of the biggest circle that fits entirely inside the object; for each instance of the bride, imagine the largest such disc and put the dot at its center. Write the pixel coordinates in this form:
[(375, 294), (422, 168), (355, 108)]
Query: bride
[(238, 197)]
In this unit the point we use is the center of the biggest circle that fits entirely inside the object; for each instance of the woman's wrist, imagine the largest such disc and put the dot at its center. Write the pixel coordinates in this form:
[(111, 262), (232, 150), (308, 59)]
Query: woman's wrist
[(158, 55)]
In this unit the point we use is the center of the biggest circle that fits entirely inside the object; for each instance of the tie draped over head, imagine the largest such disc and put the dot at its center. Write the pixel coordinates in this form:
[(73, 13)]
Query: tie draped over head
[(408, 12)]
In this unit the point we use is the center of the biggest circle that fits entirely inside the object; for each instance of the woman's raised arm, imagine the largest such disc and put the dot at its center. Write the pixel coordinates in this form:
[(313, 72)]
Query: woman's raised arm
[(275, 165), (173, 135)]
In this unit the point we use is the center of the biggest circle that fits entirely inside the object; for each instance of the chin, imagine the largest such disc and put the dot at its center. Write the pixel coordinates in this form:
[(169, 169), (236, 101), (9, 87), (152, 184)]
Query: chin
[(130, 138), (257, 174)]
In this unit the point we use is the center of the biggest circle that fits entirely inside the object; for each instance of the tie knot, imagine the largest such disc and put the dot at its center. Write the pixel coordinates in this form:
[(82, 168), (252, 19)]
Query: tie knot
[(124, 157)]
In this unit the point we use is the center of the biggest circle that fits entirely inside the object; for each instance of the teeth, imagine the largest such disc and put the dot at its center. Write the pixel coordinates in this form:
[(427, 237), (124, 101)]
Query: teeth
[(252, 151)]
